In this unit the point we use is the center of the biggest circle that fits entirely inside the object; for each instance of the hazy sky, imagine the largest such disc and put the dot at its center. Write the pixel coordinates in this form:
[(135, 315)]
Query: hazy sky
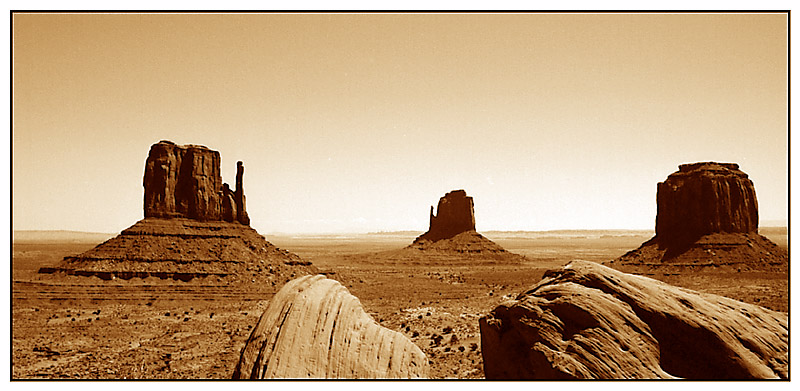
[(361, 122)]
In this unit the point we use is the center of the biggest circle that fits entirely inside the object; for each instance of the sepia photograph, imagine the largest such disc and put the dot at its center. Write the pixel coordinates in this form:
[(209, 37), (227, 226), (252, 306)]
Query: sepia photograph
[(399, 195)]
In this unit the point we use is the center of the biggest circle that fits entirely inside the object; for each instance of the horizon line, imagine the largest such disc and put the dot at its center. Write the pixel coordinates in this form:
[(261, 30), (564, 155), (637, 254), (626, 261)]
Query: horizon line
[(386, 232)]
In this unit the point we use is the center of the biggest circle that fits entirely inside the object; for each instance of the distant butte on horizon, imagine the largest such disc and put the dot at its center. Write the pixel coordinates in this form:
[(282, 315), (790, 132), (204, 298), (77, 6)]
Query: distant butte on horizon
[(452, 234), (455, 214)]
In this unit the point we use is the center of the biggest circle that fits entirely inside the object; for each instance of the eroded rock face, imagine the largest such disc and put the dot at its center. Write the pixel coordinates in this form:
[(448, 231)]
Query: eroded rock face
[(587, 321), (705, 198), (455, 214), (707, 218), (314, 328), (184, 181), (195, 228)]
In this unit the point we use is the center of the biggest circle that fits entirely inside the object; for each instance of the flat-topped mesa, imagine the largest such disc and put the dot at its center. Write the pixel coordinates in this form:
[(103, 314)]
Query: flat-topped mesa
[(184, 181), (455, 214), (705, 198), (707, 220)]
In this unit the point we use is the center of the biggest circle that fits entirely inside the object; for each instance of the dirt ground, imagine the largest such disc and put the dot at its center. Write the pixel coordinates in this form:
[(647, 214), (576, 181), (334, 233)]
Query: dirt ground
[(86, 328)]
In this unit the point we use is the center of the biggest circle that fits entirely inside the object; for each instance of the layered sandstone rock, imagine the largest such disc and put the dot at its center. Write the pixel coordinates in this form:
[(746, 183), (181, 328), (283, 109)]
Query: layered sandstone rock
[(194, 227), (185, 249), (468, 243), (314, 328), (587, 321), (713, 252), (707, 217), (184, 181)]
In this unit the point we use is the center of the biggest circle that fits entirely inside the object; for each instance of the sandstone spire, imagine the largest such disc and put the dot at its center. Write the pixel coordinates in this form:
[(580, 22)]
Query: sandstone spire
[(451, 236), (241, 215)]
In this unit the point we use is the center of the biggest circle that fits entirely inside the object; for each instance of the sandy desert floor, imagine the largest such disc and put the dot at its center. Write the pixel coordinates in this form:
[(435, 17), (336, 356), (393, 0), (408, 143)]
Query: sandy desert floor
[(86, 328)]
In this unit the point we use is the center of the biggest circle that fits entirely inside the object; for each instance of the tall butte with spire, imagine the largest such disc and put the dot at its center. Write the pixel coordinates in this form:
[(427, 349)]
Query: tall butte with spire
[(184, 181), (194, 226), (707, 218)]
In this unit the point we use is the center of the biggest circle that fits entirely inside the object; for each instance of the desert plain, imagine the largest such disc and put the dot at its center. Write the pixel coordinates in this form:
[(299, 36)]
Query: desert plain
[(70, 327)]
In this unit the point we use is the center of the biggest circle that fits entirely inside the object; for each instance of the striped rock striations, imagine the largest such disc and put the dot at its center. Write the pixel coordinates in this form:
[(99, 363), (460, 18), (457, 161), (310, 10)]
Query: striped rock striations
[(588, 321), (707, 216), (185, 249), (314, 328)]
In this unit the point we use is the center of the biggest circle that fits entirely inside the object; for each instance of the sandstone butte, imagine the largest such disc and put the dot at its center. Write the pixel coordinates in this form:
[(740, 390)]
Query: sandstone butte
[(707, 218), (451, 237), (185, 181), (194, 226), (314, 328), (588, 321)]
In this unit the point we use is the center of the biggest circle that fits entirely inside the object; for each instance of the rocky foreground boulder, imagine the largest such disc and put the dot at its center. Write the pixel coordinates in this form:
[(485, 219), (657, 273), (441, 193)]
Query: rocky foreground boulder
[(588, 321), (314, 328)]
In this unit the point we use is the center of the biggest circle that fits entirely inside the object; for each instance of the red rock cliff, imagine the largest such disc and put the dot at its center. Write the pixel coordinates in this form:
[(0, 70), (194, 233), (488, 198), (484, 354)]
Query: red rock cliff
[(184, 181), (705, 198)]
